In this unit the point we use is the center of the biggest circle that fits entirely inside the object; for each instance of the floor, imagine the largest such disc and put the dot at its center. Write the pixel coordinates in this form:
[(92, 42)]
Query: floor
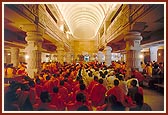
[(155, 98)]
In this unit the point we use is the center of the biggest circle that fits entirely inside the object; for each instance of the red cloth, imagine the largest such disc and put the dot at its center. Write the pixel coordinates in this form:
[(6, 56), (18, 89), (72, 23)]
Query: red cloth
[(76, 87), (74, 106), (57, 101), (56, 82), (38, 89), (91, 85), (68, 86), (63, 91), (32, 95), (48, 86), (139, 76), (98, 94), (140, 90), (116, 91)]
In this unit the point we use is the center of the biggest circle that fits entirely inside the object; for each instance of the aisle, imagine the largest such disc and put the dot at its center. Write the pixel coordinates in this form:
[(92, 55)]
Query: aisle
[(154, 98)]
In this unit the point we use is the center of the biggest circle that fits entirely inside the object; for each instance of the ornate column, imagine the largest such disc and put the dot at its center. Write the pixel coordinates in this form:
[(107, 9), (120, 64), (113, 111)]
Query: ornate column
[(69, 57), (123, 55), (15, 56), (153, 53), (60, 55), (100, 56), (7, 57), (133, 49), (108, 50), (33, 50)]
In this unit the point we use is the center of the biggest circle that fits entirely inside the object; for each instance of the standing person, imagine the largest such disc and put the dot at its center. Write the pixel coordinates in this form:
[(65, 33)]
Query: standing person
[(10, 71), (149, 70)]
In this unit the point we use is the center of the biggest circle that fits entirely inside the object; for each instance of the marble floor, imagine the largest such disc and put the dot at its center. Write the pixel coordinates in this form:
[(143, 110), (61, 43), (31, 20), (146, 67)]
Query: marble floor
[(155, 98)]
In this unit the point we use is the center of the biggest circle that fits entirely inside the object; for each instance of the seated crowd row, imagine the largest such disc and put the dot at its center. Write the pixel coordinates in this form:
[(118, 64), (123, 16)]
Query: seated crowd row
[(77, 87)]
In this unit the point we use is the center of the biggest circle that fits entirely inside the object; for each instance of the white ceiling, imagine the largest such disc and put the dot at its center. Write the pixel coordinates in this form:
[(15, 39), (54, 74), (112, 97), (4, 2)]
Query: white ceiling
[(83, 19)]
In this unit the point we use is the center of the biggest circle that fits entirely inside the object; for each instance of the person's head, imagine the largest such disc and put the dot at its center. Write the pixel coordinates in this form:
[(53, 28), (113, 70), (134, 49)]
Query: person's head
[(14, 85), (95, 78), (55, 89), (115, 105), (101, 81), (134, 82), (31, 83), (82, 87), (120, 77), (55, 75), (101, 73), (106, 72), (25, 87), (81, 81), (80, 97), (62, 83), (48, 77), (90, 74), (116, 82), (27, 78), (45, 97), (37, 81)]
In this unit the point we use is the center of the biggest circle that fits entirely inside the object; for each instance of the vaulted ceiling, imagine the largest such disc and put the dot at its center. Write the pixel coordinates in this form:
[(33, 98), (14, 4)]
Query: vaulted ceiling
[(84, 19)]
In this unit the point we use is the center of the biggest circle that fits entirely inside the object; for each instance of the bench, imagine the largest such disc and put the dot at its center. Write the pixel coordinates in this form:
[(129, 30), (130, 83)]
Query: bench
[(159, 86)]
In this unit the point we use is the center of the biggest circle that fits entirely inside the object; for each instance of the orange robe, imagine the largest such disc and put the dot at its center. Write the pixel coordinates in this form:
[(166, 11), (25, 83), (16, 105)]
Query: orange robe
[(64, 93), (57, 101), (117, 92), (98, 95)]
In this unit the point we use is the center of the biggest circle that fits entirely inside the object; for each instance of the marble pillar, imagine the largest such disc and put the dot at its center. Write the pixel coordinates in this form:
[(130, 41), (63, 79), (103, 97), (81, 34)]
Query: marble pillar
[(108, 55), (153, 54), (15, 56), (133, 49), (69, 57), (33, 50), (60, 55), (100, 56)]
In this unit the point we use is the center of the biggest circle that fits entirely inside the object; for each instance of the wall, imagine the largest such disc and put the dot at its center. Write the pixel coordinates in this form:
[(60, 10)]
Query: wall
[(160, 55), (84, 47)]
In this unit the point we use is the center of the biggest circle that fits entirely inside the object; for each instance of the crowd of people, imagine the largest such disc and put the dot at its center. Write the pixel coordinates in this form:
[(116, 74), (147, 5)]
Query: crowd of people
[(78, 87)]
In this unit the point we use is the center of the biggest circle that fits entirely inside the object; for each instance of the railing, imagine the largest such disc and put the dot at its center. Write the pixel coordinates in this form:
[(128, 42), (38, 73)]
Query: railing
[(37, 14), (126, 17)]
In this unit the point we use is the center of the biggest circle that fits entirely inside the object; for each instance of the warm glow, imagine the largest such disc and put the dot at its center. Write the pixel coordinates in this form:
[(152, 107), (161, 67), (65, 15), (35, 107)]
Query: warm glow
[(83, 19), (62, 27), (141, 56), (26, 57), (8, 54), (159, 54)]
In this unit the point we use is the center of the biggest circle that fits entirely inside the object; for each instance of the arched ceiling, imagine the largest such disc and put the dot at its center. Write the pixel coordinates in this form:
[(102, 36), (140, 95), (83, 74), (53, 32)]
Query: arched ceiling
[(83, 19)]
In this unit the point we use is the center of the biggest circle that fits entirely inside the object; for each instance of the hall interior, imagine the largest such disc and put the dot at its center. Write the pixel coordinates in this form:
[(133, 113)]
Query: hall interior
[(83, 32)]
